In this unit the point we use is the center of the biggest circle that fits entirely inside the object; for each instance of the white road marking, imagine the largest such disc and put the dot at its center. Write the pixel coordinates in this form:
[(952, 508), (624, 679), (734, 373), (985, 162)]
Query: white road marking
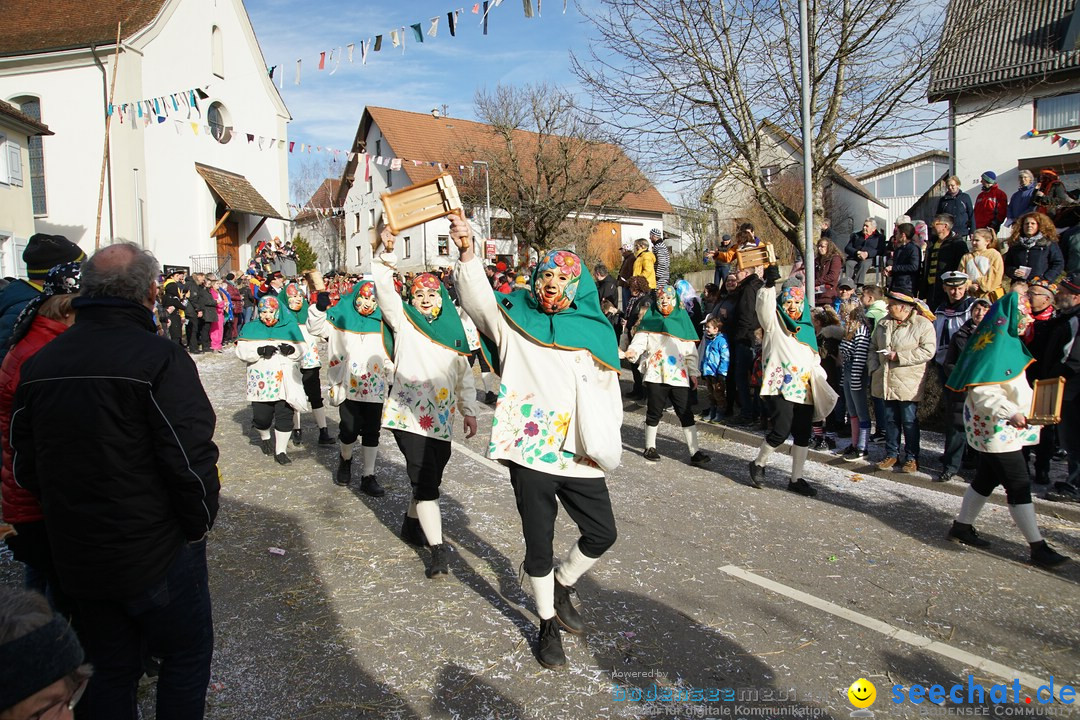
[(490, 464), (923, 643)]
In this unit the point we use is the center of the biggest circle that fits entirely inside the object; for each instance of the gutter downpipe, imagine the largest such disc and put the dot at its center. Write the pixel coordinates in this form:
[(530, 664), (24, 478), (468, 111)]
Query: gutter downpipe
[(105, 106)]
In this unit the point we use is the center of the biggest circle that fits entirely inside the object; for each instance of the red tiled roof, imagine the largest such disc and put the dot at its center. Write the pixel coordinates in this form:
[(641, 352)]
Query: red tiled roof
[(419, 136), (36, 26), (321, 199), (15, 113)]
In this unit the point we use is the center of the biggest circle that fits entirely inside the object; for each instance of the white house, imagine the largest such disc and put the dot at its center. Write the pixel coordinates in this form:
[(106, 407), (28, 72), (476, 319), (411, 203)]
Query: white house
[(191, 184), (18, 133), (847, 204), (1013, 89), (322, 225), (899, 185), (397, 148)]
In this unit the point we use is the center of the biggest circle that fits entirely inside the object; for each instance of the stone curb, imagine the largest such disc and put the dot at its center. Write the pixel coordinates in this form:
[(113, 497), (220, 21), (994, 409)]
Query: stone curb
[(1064, 511)]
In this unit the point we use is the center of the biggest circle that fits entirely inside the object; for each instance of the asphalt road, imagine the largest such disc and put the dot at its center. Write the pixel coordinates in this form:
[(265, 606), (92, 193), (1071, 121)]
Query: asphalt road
[(742, 602)]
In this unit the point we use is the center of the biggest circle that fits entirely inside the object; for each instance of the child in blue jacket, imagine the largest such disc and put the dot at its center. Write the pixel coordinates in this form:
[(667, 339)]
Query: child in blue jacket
[(715, 357)]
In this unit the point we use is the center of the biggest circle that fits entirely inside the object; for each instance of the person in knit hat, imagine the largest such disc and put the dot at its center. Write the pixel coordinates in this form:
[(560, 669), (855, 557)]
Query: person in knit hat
[(992, 204), (41, 660), (42, 253)]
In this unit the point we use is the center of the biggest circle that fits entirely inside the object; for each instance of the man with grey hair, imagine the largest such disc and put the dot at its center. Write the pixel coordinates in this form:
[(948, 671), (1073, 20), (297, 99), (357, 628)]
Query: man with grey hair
[(113, 431), (861, 250)]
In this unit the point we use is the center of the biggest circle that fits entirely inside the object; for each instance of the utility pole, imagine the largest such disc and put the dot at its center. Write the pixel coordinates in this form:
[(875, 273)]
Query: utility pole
[(487, 193), (807, 138)]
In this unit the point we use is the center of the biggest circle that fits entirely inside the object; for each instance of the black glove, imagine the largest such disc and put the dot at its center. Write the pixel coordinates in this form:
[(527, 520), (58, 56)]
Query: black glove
[(286, 349), (322, 301), (266, 351), (772, 274)]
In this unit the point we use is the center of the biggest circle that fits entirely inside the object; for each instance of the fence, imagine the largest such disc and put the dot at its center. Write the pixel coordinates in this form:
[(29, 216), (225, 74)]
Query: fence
[(212, 263)]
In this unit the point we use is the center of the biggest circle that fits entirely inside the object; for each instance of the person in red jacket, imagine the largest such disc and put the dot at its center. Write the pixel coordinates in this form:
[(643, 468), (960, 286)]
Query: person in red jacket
[(45, 317), (992, 204)]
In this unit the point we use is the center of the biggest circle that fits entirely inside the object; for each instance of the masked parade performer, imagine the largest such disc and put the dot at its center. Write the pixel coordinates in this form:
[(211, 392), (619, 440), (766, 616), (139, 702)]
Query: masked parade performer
[(310, 364), (792, 378), (557, 422), (991, 372), (666, 345), (272, 345), (360, 347), (431, 382)]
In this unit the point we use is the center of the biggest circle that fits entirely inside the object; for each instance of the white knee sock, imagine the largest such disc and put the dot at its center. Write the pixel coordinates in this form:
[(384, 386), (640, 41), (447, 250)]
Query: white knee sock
[(970, 507), (346, 450), (690, 433), (763, 454), (281, 441), (430, 520), (650, 436), (544, 594), (1024, 517), (320, 417), (412, 509), (264, 434), (574, 566), (489, 382), (369, 454), (798, 459)]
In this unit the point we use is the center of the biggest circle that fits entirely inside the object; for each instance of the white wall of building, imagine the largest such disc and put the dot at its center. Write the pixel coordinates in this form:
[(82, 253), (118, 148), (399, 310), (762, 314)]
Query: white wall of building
[(901, 187), (153, 168)]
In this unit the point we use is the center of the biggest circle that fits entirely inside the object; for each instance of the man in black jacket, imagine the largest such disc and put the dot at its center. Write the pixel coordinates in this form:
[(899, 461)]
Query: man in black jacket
[(744, 322), (1063, 360), (863, 246), (113, 431)]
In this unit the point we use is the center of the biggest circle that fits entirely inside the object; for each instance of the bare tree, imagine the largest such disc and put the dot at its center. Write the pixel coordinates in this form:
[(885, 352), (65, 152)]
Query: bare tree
[(314, 216), (547, 164), (698, 80)]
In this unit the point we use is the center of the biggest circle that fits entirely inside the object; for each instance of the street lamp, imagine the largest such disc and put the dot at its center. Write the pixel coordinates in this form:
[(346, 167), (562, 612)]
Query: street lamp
[(487, 193)]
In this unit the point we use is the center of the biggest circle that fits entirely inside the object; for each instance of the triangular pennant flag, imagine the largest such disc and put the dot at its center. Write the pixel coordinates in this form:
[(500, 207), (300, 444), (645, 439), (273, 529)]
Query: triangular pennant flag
[(1072, 144), (250, 138), (322, 60), (417, 32), (1062, 142), (485, 16), (109, 112), (364, 46), (378, 43), (538, 7), (350, 47), (451, 22), (161, 119), (139, 106), (394, 40), (395, 164), (367, 167), (338, 63), (433, 31), (195, 128), (351, 156), (156, 110), (179, 124), (528, 8), (175, 106), (272, 70), (292, 144), (298, 71), (476, 9), (302, 147)]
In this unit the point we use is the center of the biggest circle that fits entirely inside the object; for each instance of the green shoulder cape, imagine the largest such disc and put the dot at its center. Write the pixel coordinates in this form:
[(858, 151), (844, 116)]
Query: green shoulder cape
[(446, 329), (678, 324), (285, 329), (346, 318), (803, 328)]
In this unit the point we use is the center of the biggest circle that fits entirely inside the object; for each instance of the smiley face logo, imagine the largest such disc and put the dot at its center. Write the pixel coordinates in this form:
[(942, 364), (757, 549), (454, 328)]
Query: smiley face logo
[(862, 693)]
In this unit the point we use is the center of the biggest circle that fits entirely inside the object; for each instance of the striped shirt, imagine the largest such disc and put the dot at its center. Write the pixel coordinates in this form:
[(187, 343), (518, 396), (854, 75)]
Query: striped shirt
[(854, 352), (663, 264)]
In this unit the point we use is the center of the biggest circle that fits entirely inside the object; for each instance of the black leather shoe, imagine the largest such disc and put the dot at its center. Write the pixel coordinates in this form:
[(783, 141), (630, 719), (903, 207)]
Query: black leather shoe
[(297, 437), (700, 458), (324, 437), (282, 459), (412, 533), (802, 487), (267, 447), (549, 649), (961, 533), (438, 565), (1044, 556), (343, 476), (757, 474), (944, 477), (565, 612), (651, 454), (369, 485)]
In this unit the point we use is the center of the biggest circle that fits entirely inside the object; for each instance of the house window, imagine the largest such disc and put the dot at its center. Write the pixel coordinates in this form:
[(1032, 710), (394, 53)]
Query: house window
[(886, 187), (371, 214), (11, 170), (924, 178), (217, 52), (31, 106), (444, 245), (408, 247), (356, 229), (359, 254), (389, 180), (1057, 113), (218, 119), (770, 174), (378, 148), (905, 183)]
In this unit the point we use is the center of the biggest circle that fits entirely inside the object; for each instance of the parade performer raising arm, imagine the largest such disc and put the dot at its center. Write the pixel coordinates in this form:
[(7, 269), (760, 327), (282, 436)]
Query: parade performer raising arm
[(272, 347), (792, 376), (557, 420), (991, 371), (666, 344), (359, 347), (310, 363), (432, 381)]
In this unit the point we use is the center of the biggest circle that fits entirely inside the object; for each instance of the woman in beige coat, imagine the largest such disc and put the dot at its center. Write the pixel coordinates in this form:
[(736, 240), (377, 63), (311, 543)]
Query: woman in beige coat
[(900, 348)]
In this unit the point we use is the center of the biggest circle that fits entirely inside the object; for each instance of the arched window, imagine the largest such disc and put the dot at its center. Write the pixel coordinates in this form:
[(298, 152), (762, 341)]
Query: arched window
[(217, 52), (31, 106)]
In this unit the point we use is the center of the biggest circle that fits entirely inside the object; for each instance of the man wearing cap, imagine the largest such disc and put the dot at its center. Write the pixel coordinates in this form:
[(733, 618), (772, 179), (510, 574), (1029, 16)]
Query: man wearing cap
[(663, 258), (991, 206), (955, 440), (41, 254), (951, 315), (1040, 297), (723, 257), (1063, 360), (175, 297), (845, 296)]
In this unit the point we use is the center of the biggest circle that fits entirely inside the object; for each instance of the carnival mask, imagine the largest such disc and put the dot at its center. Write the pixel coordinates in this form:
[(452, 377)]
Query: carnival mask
[(666, 301), (792, 300), (294, 297), (365, 299), (426, 295), (555, 280), (268, 310)]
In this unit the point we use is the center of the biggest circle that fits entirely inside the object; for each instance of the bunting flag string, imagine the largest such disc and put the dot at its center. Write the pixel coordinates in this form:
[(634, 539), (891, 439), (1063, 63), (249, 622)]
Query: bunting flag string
[(161, 106), (1056, 138)]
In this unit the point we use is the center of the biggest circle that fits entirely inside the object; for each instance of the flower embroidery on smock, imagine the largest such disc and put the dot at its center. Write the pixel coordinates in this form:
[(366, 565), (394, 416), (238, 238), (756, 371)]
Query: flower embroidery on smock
[(789, 381), (414, 405), (536, 434)]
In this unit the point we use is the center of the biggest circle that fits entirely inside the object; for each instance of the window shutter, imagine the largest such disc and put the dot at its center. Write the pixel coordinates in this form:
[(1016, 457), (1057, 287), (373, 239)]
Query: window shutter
[(14, 162)]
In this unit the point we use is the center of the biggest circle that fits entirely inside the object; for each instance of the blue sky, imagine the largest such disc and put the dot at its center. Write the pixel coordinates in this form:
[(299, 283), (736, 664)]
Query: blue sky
[(326, 108)]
